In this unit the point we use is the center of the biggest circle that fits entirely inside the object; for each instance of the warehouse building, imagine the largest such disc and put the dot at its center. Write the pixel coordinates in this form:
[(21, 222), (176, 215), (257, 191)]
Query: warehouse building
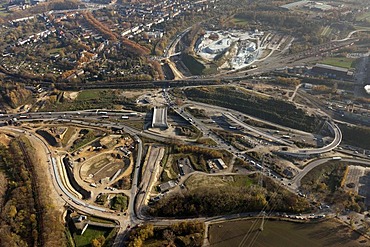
[(332, 72), (166, 186)]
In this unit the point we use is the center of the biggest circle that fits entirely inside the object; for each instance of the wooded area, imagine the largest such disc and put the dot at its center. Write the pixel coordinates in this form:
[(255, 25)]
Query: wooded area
[(266, 108), (223, 200), (187, 233), (28, 217)]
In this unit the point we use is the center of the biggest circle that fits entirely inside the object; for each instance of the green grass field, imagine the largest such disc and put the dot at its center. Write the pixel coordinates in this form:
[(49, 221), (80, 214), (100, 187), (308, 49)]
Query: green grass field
[(67, 136), (3, 12), (90, 136), (100, 220), (362, 28), (342, 62), (88, 94), (195, 67), (239, 21), (197, 181), (363, 16), (90, 233), (326, 31), (284, 234), (137, 124)]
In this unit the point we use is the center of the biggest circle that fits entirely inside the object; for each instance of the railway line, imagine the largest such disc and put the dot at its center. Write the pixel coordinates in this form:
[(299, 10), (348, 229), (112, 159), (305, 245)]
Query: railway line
[(35, 192)]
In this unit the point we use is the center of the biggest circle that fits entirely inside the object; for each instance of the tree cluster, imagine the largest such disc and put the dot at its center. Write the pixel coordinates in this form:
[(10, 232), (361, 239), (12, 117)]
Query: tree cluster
[(209, 153), (135, 47), (19, 226), (186, 233), (14, 94), (98, 242), (100, 27), (28, 218), (199, 155), (139, 235), (226, 199), (288, 81), (358, 136), (157, 70), (119, 202), (325, 184)]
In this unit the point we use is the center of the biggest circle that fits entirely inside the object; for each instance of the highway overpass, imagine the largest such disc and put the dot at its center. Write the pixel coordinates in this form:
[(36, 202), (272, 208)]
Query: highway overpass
[(334, 129)]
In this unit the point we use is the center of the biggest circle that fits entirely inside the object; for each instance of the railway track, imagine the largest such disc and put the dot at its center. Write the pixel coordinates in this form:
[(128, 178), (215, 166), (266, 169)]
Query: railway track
[(36, 194)]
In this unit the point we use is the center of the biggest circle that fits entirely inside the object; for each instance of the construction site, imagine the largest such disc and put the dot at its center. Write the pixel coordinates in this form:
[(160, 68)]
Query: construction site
[(92, 160), (235, 48)]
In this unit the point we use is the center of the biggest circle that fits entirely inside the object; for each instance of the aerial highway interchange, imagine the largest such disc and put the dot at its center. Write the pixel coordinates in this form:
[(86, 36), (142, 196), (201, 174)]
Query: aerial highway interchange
[(113, 120), (132, 152)]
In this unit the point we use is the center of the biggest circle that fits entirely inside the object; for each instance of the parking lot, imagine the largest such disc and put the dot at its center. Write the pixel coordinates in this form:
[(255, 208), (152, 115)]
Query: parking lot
[(358, 181)]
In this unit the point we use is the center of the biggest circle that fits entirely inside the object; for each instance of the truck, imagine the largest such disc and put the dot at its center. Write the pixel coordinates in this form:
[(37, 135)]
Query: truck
[(336, 158)]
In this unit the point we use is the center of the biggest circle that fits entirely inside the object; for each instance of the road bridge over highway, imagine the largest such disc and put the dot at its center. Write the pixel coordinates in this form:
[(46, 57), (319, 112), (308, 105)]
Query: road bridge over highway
[(302, 153)]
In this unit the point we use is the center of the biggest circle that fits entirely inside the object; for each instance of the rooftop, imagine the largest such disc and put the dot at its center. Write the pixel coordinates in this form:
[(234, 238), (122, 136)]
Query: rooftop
[(166, 186), (330, 67)]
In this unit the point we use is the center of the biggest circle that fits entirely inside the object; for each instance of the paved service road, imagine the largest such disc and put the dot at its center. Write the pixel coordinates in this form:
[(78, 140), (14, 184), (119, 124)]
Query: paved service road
[(250, 128), (313, 151), (296, 181)]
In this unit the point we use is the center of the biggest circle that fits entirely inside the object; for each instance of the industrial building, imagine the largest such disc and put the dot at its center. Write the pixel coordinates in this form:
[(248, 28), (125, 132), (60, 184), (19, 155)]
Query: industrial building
[(332, 72), (309, 5), (216, 164), (166, 186)]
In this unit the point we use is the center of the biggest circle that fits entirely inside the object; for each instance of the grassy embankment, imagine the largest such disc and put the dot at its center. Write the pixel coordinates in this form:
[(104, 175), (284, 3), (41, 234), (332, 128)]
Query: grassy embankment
[(342, 62)]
